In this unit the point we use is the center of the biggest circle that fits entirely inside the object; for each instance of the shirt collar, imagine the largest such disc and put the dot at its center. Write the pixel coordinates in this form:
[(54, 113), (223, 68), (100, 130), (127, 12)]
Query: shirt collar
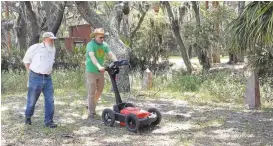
[(42, 45), (97, 42)]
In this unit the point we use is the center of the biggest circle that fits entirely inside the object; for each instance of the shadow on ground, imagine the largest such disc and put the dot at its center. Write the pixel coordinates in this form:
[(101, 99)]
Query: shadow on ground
[(182, 124)]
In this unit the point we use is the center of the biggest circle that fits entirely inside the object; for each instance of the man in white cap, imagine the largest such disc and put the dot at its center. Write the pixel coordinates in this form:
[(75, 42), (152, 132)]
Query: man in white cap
[(38, 61), (95, 53)]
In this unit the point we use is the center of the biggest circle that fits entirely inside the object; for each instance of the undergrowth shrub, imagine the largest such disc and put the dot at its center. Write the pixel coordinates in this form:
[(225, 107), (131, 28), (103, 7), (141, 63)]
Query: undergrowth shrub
[(220, 86), (223, 85), (16, 81)]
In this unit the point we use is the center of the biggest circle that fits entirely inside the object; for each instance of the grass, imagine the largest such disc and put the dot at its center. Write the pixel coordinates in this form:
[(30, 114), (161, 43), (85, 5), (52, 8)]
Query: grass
[(195, 58), (201, 88), (192, 107), (213, 87)]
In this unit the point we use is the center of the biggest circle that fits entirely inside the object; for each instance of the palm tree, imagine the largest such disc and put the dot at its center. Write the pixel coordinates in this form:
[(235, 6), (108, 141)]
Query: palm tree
[(252, 31), (254, 27)]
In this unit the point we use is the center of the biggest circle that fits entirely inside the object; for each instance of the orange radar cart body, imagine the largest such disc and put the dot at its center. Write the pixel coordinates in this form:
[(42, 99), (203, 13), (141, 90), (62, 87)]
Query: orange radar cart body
[(127, 114)]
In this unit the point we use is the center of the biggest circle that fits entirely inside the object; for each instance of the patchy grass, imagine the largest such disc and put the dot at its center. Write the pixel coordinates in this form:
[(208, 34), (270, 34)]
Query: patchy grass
[(182, 123), (198, 109)]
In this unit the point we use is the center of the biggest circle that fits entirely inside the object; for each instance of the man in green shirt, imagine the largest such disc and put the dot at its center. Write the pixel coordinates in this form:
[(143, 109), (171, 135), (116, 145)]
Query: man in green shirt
[(95, 53)]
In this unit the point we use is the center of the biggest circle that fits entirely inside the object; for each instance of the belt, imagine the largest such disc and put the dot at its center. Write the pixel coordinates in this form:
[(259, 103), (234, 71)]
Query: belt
[(39, 74)]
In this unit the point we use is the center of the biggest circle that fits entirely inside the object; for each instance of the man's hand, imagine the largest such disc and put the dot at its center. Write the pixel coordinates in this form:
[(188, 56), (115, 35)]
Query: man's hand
[(101, 69), (27, 67), (112, 56)]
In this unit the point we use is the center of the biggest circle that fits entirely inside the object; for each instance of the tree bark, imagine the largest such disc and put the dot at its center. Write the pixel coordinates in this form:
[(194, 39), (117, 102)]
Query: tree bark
[(59, 18), (116, 16), (202, 53), (115, 44), (237, 56), (21, 28), (176, 31), (240, 55), (125, 22), (8, 32), (54, 15), (35, 29), (207, 5), (133, 33), (6, 25), (141, 19), (216, 52)]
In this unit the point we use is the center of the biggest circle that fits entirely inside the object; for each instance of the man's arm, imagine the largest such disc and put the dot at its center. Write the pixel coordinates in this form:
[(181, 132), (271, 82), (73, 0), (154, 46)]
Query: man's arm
[(27, 66), (112, 56), (28, 57), (95, 61)]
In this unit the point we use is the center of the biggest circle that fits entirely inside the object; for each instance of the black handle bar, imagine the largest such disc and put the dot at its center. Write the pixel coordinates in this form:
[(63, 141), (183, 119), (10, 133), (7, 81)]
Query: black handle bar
[(117, 64)]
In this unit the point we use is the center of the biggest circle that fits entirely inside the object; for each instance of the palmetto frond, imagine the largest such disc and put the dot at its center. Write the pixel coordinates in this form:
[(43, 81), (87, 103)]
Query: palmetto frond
[(254, 27)]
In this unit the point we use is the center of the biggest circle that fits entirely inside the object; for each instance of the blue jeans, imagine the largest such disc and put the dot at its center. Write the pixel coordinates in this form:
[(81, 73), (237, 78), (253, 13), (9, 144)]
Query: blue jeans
[(37, 84)]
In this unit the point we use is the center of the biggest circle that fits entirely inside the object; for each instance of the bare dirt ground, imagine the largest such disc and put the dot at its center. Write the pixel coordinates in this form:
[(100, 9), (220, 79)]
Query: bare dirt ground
[(182, 124)]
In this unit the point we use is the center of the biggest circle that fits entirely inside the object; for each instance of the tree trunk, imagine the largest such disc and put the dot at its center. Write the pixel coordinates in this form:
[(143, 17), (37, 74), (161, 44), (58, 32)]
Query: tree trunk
[(116, 17), (120, 19), (8, 32), (240, 55), (176, 31), (133, 33), (125, 22), (202, 53), (59, 18), (6, 25), (237, 56), (35, 29), (216, 52), (125, 26), (115, 44), (21, 28), (54, 15), (190, 52), (207, 5)]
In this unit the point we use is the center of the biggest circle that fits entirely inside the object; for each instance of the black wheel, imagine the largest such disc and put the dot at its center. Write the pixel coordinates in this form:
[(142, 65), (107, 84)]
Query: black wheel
[(158, 116), (108, 117), (132, 123), (129, 105)]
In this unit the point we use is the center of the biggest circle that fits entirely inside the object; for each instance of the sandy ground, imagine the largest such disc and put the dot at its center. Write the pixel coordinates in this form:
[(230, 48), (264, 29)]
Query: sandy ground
[(182, 124)]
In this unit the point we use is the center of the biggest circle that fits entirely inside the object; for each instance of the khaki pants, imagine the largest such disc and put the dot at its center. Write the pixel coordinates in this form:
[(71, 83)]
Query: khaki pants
[(95, 85)]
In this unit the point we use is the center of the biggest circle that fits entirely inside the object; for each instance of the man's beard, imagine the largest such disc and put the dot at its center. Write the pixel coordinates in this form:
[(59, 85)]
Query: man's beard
[(50, 47)]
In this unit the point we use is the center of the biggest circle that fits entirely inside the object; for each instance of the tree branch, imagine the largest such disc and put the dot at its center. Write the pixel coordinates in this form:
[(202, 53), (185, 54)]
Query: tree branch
[(133, 33), (92, 17), (59, 18), (34, 25), (138, 25)]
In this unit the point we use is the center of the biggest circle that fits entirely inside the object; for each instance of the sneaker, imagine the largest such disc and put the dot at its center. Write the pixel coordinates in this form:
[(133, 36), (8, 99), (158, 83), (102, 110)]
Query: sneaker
[(28, 121), (51, 125)]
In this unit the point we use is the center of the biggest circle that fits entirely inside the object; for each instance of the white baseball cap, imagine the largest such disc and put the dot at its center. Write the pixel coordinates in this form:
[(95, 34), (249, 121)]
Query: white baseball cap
[(49, 35)]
